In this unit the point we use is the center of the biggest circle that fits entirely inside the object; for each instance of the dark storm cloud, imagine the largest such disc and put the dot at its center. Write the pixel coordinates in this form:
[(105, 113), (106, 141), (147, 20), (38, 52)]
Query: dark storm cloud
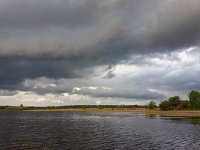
[(15, 70), (111, 30), (44, 13), (176, 25), (69, 38)]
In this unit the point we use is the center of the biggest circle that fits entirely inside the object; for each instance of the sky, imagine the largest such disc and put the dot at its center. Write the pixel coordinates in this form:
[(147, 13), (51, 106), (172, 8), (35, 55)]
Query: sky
[(122, 52)]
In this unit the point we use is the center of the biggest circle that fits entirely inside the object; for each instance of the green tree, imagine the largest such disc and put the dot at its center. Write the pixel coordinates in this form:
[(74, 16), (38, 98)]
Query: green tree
[(184, 105), (164, 105), (152, 105), (171, 104), (174, 102), (194, 99)]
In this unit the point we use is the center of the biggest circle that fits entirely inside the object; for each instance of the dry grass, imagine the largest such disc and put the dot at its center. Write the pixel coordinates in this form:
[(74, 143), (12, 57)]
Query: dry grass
[(174, 113)]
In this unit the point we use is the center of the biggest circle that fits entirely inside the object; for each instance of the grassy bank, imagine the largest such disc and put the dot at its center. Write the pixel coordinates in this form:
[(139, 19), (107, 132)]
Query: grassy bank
[(108, 108), (182, 113), (174, 113)]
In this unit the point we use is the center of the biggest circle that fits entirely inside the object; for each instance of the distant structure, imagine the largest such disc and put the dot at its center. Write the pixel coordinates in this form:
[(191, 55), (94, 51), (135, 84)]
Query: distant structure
[(21, 105)]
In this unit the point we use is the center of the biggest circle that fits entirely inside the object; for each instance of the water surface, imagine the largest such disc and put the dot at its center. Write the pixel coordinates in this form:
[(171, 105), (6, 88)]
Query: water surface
[(96, 130)]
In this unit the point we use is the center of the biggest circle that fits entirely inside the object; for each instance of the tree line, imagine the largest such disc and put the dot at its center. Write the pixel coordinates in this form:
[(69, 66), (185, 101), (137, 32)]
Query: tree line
[(112, 107), (175, 103), (172, 103)]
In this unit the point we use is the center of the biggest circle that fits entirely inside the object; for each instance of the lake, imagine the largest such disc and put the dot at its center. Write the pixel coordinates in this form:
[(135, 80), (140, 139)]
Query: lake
[(97, 131)]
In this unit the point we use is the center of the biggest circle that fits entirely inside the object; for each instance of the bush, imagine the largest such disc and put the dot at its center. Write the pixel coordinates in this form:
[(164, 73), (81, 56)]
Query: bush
[(152, 105)]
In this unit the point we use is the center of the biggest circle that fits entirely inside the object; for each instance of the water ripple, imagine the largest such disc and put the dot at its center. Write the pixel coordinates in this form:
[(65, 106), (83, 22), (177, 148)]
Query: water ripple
[(95, 130)]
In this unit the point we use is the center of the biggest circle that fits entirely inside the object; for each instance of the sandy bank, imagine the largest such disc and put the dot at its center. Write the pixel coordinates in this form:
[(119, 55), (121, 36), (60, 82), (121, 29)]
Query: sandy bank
[(182, 113)]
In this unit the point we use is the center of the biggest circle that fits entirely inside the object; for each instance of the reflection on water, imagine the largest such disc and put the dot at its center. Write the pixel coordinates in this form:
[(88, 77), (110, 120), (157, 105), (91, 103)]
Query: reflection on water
[(194, 120), (96, 130), (152, 115)]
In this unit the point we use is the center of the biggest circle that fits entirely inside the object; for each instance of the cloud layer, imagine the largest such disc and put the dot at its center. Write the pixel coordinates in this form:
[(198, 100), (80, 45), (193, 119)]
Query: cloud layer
[(82, 43)]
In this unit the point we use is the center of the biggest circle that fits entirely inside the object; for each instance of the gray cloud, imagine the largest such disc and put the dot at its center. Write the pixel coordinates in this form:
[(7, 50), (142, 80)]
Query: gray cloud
[(36, 13), (15, 70), (44, 86), (119, 93), (7, 93), (110, 74), (177, 25), (99, 29)]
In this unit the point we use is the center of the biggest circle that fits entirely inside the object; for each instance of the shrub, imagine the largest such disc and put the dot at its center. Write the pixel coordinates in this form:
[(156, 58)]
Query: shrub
[(152, 105)]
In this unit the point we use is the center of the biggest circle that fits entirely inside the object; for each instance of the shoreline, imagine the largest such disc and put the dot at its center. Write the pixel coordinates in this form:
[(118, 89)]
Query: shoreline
[(173, 113)]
